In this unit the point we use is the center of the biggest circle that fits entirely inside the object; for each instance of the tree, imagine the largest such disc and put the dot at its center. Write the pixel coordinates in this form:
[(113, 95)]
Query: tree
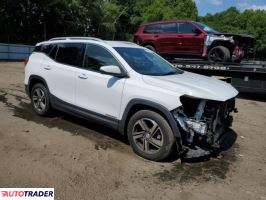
[(153, 10)]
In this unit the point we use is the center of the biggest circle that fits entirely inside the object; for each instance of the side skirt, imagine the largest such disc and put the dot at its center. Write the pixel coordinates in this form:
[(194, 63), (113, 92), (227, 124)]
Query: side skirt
[(83, 113)]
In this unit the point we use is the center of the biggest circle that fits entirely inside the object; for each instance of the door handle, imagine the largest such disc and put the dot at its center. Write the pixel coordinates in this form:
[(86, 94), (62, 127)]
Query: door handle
[(180, 43), (156, 36), (83, 76), (47, 67)]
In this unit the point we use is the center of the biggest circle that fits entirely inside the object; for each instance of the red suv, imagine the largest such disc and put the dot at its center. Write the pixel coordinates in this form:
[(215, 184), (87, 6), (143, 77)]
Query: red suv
[(193, 39)]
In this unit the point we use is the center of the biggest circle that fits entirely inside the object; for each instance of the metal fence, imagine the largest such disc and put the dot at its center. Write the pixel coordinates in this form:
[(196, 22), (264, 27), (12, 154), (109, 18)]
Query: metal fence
[(14, 51)]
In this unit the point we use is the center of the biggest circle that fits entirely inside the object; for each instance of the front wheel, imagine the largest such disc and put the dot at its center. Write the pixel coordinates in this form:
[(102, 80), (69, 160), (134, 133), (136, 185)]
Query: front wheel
[(219, 54), (150, 135)]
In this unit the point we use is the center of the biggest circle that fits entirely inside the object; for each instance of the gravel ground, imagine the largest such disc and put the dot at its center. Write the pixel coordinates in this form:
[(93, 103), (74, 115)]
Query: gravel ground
[(82, 160)]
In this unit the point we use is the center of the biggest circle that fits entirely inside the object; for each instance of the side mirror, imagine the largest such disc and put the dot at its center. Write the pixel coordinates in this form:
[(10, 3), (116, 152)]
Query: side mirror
[(197, 31), (112, 70)]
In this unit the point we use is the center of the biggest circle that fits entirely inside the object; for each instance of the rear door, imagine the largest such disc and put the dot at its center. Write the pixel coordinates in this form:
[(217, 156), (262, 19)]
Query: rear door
[(188, 41), (167, 40), (60, 70), (151, 35)]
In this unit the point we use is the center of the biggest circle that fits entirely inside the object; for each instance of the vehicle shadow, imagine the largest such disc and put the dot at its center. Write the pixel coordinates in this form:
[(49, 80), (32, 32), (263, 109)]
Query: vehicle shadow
[(100, 129), (103, 137)]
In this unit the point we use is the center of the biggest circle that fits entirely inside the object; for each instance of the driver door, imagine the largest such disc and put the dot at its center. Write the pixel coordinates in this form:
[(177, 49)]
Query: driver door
[(189, 42), (97, 92)]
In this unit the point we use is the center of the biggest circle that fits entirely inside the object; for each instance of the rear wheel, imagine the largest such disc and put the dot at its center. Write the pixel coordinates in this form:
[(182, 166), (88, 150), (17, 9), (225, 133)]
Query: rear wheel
[(152, 48), (219, 54), (40, 99), (150, 135)]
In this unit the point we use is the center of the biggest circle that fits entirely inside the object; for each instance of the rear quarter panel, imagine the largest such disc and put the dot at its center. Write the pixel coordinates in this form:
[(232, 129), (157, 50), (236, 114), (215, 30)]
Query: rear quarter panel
[(34, 66)]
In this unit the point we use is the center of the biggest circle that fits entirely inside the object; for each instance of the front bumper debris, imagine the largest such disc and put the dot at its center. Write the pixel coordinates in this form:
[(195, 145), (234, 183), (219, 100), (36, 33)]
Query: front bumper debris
[(203, 122)]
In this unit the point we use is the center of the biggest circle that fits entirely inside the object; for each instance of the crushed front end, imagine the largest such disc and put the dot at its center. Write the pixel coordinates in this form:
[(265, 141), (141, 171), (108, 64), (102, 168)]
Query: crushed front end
[(203, 122)]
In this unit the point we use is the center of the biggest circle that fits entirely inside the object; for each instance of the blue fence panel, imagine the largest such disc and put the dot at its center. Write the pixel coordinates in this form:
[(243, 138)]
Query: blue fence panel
[(14, 51)]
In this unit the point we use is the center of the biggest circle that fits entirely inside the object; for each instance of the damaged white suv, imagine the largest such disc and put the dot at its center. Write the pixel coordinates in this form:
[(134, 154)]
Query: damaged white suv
[(131, 89)]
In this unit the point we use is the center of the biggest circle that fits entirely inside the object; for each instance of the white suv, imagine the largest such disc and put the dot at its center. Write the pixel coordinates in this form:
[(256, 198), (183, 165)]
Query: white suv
[(131, 89)]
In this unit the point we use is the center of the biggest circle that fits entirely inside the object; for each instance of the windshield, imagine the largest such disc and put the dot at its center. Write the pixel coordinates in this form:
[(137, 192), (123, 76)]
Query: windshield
[(146, 62), (206, 28)]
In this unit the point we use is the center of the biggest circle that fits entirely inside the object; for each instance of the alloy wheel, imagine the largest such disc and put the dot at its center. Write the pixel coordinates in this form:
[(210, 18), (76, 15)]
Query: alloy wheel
[(39, 99), (147, 135)]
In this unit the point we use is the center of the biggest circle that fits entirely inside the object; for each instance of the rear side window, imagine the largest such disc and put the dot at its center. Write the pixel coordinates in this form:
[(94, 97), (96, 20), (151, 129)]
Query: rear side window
[(97, 56), (185, 28), (37, 48), (169, 28), (70, 53), (47, 48), (44, 48), (156, 28)]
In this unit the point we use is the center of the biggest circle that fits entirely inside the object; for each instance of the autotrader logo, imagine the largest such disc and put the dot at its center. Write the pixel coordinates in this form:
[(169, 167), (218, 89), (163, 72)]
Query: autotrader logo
[(27, 193)]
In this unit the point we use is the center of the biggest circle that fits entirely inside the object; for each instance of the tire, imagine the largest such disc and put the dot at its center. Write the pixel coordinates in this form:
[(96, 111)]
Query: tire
[(150, 47), (40, 100), (153, 145), (219, 54)]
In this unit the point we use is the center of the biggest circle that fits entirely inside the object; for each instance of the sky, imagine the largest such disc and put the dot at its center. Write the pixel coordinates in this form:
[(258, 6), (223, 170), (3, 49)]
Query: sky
[(213, 6)]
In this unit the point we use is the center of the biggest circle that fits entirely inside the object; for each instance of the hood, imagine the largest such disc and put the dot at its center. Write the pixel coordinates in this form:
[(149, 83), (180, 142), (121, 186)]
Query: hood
[(235, 35), (193, 85)]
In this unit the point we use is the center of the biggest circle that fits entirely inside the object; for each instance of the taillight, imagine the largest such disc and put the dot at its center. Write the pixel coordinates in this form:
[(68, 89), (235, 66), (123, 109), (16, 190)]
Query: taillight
[(26, 61)]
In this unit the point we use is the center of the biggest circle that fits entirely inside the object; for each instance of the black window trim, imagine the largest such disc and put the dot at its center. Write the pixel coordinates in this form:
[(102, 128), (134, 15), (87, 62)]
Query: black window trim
[(159, 32), (55, 46), (66, 63), (41, 46), (177, 27), (121, 67), (178, 24)]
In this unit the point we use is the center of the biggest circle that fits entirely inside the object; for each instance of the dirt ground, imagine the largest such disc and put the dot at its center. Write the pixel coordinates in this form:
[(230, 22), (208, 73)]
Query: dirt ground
[(82, 160)]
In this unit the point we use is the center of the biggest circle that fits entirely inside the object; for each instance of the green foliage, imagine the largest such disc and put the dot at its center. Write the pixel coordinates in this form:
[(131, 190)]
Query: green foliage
[(31, 21), (250, 22), (154, 10)]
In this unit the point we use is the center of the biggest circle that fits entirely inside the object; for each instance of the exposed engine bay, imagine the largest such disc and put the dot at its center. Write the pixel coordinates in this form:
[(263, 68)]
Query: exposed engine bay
[(203, 122)]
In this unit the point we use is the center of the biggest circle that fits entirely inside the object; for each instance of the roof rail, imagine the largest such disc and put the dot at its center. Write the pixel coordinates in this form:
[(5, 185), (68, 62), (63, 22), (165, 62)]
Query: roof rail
[(75, 38)]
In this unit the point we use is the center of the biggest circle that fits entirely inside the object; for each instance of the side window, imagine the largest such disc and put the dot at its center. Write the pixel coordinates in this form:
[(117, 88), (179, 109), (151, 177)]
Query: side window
[(37, 48), (185, 28), (156, 28), (46, 48), (70, 53), (169, 28), (96, 57)]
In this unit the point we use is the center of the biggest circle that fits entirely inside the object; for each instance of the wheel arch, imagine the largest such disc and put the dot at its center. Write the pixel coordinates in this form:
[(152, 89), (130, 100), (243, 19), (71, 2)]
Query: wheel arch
[(33, 79), (226, 44), (136, 105), (149, 43)]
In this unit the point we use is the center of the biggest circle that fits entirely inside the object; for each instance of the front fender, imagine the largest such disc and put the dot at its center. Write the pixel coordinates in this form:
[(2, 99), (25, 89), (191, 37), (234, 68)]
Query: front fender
[(170, 118)]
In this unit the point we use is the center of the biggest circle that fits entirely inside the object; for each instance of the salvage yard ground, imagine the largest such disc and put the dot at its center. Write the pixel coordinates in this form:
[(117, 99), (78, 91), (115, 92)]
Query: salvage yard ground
[(82, 160)]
